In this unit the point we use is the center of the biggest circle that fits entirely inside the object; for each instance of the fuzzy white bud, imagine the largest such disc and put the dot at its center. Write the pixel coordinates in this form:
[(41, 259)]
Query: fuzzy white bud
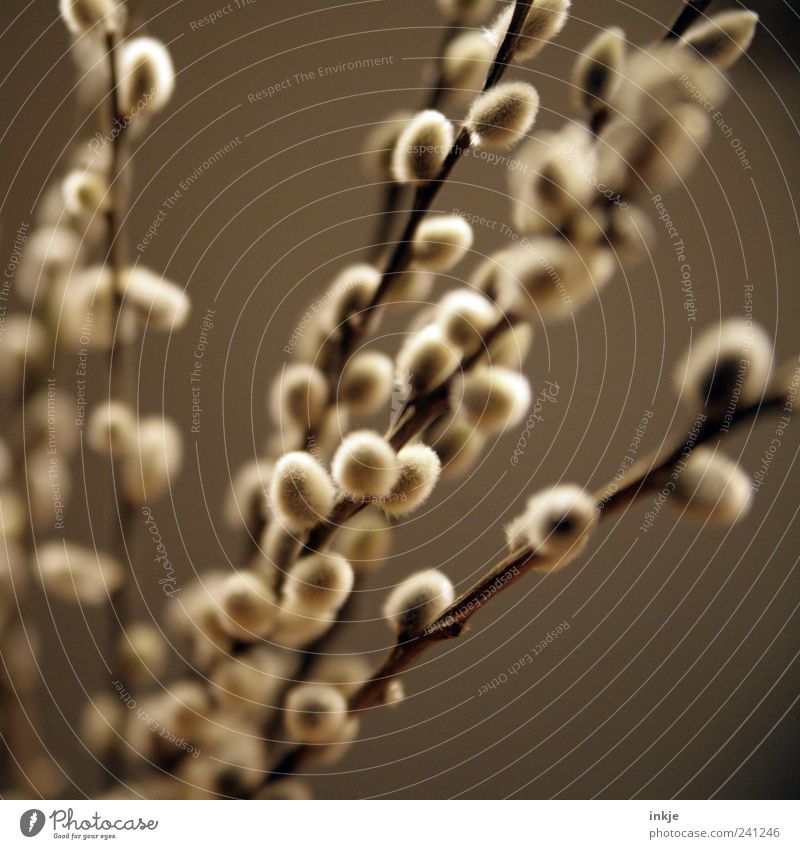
[(48, 256), (366, 540), (729, 364), (101, 723), (418, 601), (724, 38), (493, 399), (253, 681), (549, 276), (23, 349), (556, 524), (143, 652), (77, 575), (248, 608), (301, 493), (81, 15), (147, 76), (500, 117), (300, 395), (352, 291), (511, 347), (419, 471), (466, 317), (365, 465), (298, 626), (319, 582), (458, 443), (597, 74), (544, 21), (85, 194), (440, 242), (426, 359), (111, 430), (422, 148), (466, 62), (155, 460), (366, 382), (158, 302), (346, 672), (465, 11), (381, 143), (315, 713), (712, 487)]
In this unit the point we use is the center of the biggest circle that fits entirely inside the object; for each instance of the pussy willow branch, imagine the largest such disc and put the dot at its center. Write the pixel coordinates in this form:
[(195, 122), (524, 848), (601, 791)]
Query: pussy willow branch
[(119, 363), (393, 191), (354, 329), (641, 479)]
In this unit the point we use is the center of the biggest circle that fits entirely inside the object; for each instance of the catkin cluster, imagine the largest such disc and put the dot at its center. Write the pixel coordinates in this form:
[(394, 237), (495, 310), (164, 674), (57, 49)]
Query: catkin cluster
[(321, 504)]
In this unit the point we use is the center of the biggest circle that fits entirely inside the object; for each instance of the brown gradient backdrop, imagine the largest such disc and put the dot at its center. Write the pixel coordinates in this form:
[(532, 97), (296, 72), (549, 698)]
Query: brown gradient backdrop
[(678, 674)]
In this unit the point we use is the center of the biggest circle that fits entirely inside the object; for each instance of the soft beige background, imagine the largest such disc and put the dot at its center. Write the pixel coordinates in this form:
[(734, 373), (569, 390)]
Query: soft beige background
[(678, 674)]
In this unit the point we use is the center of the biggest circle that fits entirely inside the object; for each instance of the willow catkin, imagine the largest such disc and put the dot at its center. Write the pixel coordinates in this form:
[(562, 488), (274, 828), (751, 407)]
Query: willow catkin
[(419, 471), (549, 277), (314, 713), (352, 291), (426, 359), (101, 723), (458, 442), (85, 194), (422, 147), (365, 465), (77, 575), (511, 347), (466, 317), (729, 364), (366, 382), (111, 429), (346, 672), (466, 11), (381, 142), (82, 15), (254, 680), (500, 117), (297, 626), (319, 582), (158, 302), (247, 607), (246, 503), (440, 242), (723, 38), (556, 522), (301, 493), (466, 61), (155, 460), (365, 540), (142, 651), (597, 73), (23, 350), (48, 256), (492, 398), (299, 396), (416, 602), (146, 74), (712, 487)]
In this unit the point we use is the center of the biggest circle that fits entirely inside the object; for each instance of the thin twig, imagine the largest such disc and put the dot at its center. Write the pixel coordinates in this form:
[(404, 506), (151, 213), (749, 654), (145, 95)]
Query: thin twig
[(642, 478), (120, 364)]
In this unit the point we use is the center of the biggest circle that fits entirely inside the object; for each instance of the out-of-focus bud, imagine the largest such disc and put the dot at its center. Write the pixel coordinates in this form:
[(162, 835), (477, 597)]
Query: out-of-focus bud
[(597, 74), (440, 242), (155, 461), (723, 38), (712, 487)]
